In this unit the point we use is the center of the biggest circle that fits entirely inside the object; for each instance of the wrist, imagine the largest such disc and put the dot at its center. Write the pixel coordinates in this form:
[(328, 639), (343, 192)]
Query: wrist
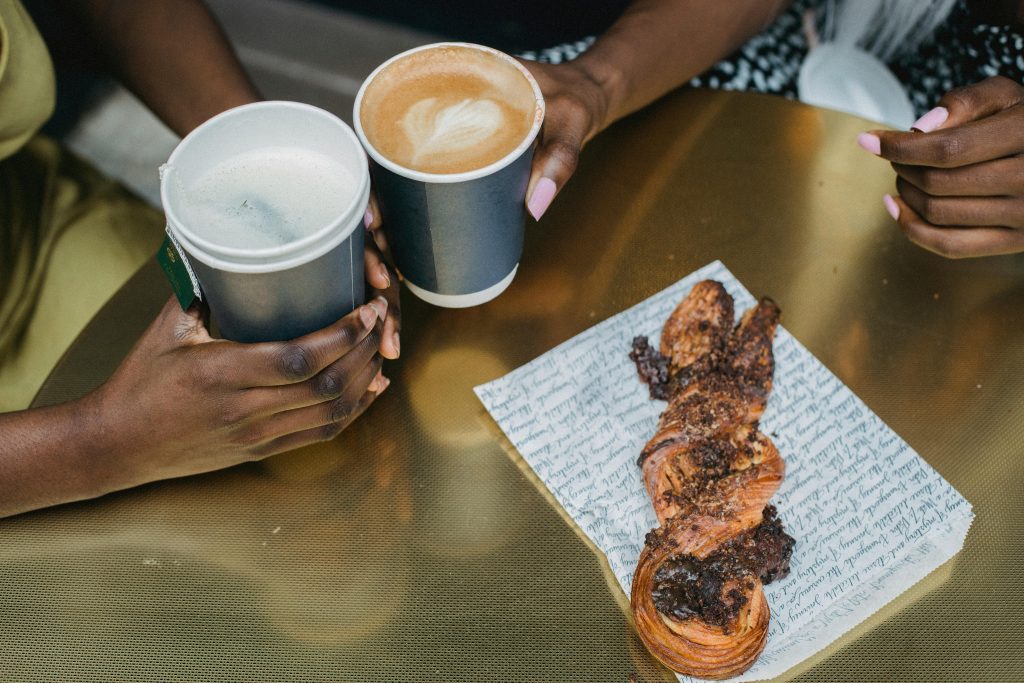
[(98, 452), (609, 88), (52, 455)]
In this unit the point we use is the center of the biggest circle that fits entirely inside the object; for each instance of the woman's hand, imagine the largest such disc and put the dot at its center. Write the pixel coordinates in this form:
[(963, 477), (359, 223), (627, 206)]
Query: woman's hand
[(575, 109), (182, 402), (960, 172), (576, 106)]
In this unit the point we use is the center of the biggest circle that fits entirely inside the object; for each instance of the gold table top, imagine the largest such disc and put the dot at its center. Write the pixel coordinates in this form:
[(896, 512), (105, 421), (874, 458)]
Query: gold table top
[(415, 547)]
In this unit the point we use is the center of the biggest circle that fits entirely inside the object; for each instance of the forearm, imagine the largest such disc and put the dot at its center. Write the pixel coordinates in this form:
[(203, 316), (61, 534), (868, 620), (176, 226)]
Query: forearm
[(171, 53), (54, 455), (658, 45)]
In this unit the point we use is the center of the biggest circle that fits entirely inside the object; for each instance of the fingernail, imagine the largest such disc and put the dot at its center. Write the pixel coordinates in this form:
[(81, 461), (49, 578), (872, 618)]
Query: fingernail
[(380, 304), (379, 239), (932, 120), (398, 346), (892, 207), (367, 217), (384, 274), (870, 142), (376, 382), (386, 382), (368, 315), (541, 198)]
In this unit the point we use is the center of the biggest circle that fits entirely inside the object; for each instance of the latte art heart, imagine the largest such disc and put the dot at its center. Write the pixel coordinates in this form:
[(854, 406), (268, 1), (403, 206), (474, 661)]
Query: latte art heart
[(433, 129), (448, 109)]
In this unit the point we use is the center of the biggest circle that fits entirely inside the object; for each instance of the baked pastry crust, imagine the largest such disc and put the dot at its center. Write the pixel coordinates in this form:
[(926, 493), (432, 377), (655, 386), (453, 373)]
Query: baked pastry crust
[(697, 594)]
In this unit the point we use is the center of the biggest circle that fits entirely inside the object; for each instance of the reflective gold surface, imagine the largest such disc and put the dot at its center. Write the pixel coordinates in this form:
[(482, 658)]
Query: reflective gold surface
[(419, 547)]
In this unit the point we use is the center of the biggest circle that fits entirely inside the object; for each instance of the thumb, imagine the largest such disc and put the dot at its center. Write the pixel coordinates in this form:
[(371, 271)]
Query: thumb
[(553, 165), (970, 103), (184, 327)]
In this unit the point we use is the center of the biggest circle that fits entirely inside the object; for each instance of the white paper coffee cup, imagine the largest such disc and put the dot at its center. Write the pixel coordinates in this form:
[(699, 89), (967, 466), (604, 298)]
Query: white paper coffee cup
[(264, 292)]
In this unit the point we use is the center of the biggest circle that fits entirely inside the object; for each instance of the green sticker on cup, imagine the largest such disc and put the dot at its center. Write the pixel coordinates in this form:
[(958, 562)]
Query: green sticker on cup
[(178, 272)]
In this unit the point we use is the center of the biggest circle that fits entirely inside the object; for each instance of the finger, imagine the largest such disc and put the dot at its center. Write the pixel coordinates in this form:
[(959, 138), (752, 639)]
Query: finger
[(336, 410), (557, 156), (953, 242), (390, 346), (313, 435), (980, 100), (380, 239), (173, 328), (993, 137), (376, 272), (1002, 177), (371, 217), (327, 385), (276, 363), (184, 327), (961, 211), (970, 103)]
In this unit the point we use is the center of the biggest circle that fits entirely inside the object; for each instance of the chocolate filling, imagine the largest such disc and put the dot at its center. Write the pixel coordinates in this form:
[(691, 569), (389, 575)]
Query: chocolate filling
[(652, 368), (686, 586)]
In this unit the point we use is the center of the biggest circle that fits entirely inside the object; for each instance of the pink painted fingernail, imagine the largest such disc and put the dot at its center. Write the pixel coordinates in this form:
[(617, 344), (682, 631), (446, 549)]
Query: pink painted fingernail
[(368, 217), (870, 142), (932, 120), (541, 198), (892, 207)]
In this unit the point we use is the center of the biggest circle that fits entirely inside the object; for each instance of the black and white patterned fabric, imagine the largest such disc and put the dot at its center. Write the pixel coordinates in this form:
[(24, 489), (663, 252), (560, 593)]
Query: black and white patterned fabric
[(566, 52), (962, 51)]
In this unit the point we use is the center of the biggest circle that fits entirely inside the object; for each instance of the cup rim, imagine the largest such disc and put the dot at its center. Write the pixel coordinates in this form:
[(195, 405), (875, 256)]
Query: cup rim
[(423, 176), (300, 250)]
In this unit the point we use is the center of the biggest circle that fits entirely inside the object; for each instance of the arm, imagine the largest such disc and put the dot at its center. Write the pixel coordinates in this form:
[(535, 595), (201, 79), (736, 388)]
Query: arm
[(171, 53), (183, 403), (656, 46), (176, 58)]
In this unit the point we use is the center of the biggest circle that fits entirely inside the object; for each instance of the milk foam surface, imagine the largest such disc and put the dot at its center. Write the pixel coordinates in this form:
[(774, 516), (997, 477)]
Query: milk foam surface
[(448, 109), (268, 197)]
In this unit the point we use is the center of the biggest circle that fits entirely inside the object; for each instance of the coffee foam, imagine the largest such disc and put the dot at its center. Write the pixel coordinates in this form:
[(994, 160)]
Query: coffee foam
[(448, 109), (267, 197)]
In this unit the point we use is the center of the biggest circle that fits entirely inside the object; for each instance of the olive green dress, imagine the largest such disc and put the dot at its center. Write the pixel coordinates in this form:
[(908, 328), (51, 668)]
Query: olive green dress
[(69, 237)]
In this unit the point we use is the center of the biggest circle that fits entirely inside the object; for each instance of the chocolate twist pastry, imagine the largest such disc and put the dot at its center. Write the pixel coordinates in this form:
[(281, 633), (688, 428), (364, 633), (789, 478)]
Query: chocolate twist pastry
[(697, 595)]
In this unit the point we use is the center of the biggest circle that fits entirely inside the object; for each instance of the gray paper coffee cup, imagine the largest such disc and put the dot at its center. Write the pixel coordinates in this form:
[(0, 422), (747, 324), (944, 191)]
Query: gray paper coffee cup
[(456, 237), (259, 291)]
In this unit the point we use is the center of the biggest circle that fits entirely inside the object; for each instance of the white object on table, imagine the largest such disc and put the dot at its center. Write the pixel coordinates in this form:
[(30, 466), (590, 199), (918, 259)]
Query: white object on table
[(871, 518), (853, 81)]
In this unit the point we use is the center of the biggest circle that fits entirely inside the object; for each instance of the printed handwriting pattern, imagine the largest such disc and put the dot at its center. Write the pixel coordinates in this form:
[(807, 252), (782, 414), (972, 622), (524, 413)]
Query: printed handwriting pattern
[(870, 516)]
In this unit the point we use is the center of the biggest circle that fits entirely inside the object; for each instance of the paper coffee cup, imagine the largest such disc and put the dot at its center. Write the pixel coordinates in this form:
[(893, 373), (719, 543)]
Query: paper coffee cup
[(267, 202), (456, 236)]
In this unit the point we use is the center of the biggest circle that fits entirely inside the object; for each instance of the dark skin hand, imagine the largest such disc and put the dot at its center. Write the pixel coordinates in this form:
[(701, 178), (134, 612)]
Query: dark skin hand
[(653, 48), (182, 402), (960, 175)]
